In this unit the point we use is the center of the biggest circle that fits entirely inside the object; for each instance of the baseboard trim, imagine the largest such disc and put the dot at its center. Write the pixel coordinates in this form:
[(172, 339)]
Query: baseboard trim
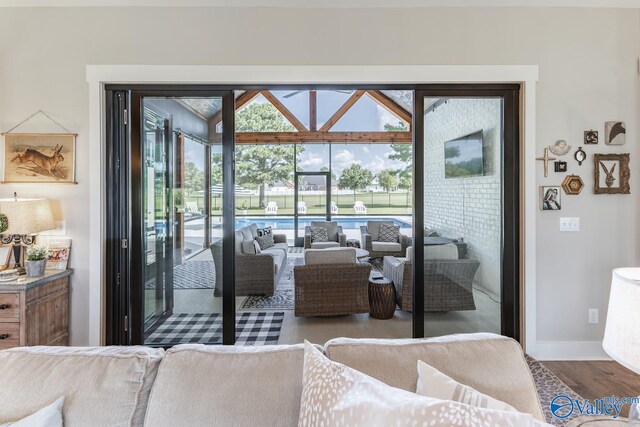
[(567, 350)]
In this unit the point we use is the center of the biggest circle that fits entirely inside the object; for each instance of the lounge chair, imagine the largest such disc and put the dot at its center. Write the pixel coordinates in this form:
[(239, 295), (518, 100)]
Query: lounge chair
[(271, 209), (360, 208), (370, 240), (334, 233), (302, 208), (334, 208)]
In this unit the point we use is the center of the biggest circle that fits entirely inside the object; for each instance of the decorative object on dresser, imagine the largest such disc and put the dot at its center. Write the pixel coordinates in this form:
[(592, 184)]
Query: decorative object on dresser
[(615, 133), (580, 156), (591, 136), (26, 217), (59, 252), (546, 159), (560, 148), (550, 198), (611, 173), (560, 166), (572, 185), (35, 311), (36, 260)]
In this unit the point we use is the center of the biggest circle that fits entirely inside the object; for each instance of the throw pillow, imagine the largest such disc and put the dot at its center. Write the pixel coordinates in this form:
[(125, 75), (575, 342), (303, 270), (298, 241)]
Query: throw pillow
[(265, 241), (264, 231), (336, 395), (256, 247), (248, 247), (433, 383), (49, 416), (319, 234), (389, 233)]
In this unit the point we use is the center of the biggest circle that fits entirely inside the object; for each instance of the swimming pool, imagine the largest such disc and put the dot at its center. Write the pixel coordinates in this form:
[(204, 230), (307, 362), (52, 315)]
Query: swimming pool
[(286, 223)]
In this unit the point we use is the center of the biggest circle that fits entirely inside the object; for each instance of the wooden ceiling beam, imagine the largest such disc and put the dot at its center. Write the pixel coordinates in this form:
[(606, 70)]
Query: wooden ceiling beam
[(320, 137), (342, 110), (284, 110), (313, 110), (391, 106), (241, 101)]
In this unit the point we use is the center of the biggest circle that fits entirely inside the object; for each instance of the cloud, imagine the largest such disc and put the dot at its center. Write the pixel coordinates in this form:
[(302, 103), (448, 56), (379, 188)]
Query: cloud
[(312, 161), (344, 156)]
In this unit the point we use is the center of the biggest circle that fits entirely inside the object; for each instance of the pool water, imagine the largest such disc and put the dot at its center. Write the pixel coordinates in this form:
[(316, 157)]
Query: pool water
[(287, 223)]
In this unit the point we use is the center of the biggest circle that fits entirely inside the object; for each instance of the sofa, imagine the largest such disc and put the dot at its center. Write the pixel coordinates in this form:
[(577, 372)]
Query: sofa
[(336, 236), (331, 283), (448, 280), (256, 274), (195, 385), (369, 235)]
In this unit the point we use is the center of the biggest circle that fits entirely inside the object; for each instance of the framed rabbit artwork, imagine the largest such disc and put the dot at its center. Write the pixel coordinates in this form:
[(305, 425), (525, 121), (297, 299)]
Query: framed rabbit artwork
[(611, 173), (41, 157)]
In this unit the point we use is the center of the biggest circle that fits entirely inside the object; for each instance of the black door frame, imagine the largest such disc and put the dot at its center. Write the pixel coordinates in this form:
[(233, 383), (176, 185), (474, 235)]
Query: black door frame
[(510, 295)]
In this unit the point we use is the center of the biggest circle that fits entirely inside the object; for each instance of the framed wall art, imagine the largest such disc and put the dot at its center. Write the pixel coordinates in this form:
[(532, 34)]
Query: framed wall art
[(615, 133), (612, 173), (39, 157), (550, 198)]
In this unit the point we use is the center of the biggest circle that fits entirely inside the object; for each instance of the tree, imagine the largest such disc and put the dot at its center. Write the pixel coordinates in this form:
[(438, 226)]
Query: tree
[(402, 153), (216, 168), (333, 175), (260, 165), (388, 179), (193, 177), (355, 177)]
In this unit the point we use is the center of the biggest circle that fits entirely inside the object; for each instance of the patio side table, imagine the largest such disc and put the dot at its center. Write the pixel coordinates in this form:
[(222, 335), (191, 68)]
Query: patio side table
[(382, 298)]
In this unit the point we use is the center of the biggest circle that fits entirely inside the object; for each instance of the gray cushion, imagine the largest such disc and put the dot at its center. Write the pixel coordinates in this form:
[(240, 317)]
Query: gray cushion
[(324, 245), (248, 247), (319, 234), (246, 233), (253, 228), (386, 247), (331, 226), (265, 241), (239, 238), (448, 251), (330, 256), (374, 228), (389, 233)]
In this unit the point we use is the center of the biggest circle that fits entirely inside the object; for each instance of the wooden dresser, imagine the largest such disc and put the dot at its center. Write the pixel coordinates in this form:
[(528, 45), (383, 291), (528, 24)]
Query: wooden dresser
[(35, 311)]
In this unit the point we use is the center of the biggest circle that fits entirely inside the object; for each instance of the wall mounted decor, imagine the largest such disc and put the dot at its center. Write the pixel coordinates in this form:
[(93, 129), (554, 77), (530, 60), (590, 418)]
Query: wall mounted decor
[(580, 156), (546, 159), (611, 173), (615, 133), (572, 185), (550, 198), (39, 157), (591, 136), (560, 148), (560, 166)]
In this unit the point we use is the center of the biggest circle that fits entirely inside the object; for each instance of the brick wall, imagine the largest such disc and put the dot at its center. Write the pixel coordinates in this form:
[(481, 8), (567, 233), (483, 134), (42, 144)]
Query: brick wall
[(467, 207)]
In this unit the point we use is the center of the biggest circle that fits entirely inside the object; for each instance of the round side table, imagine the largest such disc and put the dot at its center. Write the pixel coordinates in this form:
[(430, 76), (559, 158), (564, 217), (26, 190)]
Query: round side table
[(382, 298)]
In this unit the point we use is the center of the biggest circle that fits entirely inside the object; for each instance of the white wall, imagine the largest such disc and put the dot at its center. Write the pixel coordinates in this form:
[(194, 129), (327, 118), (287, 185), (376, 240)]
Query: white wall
[(469, 207), (587, 61)]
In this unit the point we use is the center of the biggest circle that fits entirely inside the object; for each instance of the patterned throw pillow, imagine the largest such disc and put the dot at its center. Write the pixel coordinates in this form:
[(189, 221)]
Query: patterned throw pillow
[(389, 233), (265, 241), (319, 234), (336, 395), (264, 231)]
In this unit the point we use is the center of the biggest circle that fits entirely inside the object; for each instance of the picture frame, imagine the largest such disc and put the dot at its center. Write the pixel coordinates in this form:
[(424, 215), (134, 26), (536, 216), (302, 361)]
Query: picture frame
[(611, 173), (39, 158), (590, 136), (550, 198), (615, 133), (5, 256), (58, 254)]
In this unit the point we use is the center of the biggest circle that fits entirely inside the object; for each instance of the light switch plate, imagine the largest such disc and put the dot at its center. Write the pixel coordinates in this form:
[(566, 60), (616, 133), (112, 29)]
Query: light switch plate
[(570, 224)]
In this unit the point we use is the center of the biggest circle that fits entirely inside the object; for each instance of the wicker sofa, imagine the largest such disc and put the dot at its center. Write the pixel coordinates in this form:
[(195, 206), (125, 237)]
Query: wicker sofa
[(330, 283), (369, 240), (256, 274), (336, 236), (448, 282)]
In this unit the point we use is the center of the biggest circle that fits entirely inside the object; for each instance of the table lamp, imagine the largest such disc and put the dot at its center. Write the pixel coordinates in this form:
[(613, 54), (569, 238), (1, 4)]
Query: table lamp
[(622, 332), (25, 217)]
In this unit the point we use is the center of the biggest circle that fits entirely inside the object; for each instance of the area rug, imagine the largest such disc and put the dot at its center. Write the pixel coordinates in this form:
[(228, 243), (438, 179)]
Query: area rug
[(252, 328), (192, 275), (548, 386)]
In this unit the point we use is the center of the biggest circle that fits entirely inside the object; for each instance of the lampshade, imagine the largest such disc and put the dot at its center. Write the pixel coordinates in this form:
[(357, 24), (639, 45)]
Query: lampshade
[(622, 332), (27, 216)]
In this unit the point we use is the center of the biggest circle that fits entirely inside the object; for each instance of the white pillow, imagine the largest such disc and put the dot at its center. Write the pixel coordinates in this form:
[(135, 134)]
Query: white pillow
[(335, 395), (49, 416), (433, 383)]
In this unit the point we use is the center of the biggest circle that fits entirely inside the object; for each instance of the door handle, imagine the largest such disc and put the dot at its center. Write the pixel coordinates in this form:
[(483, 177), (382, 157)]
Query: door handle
[(4, 336), (4, 306)]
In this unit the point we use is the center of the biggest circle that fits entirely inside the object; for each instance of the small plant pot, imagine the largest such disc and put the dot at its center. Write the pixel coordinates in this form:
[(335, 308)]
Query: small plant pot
[(36, 268)]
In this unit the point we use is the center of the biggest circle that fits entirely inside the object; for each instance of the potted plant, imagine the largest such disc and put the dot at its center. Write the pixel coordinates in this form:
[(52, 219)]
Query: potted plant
[(243, 208), (36, 260)]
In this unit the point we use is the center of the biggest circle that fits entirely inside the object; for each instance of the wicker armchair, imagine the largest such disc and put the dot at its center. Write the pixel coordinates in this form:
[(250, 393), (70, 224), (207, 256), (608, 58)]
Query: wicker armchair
[(337, 238), (447, 283), (369, 241), (331, 289)]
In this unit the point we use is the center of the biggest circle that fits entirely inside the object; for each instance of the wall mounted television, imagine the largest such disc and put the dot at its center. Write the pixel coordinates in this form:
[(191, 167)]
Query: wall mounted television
[(463, 157)]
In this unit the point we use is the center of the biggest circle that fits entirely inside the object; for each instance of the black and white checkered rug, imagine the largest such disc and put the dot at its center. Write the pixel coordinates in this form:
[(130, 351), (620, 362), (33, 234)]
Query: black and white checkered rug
[(192, 275), (256, 328)]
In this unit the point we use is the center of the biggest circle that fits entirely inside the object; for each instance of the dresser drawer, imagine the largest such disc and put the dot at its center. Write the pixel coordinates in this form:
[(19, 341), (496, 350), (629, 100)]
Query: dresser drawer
[(9, 307), (9, 335)]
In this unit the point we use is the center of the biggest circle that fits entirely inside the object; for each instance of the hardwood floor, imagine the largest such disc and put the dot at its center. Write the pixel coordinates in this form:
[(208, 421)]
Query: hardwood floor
[(597, 379)]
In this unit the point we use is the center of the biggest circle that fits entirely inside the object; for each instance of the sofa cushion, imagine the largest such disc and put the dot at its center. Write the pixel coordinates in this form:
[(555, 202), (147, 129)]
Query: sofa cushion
[(201, 385), (49, 416), (389, 233), (278, 257), (331, 226), (373, 227), (448, 251), (489, 363), (265, 241), (253, 228), (238, 241), (284, 246), (104, 386), (248, 247), (319, 234), (386, 247), (330, 256), (324, 245), (246, 233)]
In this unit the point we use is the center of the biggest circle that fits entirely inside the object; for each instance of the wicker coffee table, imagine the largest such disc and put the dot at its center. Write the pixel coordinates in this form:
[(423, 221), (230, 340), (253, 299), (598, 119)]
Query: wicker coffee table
[(382, 298)]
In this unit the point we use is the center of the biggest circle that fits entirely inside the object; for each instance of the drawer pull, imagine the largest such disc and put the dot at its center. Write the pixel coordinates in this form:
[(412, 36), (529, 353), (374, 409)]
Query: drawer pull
[(4, 306), (4, 336)]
